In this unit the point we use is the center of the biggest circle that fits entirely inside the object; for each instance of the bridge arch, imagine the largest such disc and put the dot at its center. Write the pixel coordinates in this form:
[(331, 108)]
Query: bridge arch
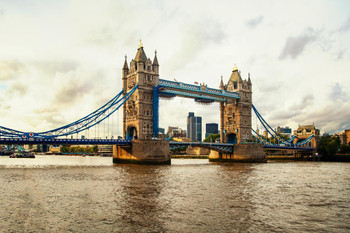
[(231, 138), (131, 132)]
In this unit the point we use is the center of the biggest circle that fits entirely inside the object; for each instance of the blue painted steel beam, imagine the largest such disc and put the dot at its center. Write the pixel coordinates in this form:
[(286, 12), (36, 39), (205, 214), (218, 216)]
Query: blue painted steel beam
[(222, 147), (172, 93), (204, 91), (56, 141), (82, 124), (227, 147), (155, 111), (288, 147)]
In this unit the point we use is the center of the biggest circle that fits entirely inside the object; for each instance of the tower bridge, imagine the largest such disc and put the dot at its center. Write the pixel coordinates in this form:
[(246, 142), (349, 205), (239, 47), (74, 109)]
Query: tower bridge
[(141, 90)]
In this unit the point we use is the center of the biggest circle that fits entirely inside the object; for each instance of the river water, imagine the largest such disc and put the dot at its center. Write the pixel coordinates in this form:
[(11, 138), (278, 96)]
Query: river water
[(90, 194)]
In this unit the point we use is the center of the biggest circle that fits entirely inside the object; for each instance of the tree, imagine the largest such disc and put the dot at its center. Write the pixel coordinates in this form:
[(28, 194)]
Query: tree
[(65, 149), (212, 138), (328, 146), (344, 149)]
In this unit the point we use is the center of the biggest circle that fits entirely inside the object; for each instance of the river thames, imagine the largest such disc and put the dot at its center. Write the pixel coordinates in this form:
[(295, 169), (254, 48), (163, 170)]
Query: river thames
[(90, 194)]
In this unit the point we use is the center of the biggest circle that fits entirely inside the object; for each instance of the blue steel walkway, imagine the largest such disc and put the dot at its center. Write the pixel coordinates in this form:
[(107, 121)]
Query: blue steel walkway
[(197, 92)]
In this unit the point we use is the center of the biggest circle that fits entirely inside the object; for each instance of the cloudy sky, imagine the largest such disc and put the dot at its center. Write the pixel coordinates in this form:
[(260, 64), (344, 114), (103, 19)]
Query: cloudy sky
[(60, 60)]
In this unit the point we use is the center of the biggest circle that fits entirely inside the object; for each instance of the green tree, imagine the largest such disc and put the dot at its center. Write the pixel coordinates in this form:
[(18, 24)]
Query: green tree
[(345, 149), (212, 138), (64, 149), (328, 146)]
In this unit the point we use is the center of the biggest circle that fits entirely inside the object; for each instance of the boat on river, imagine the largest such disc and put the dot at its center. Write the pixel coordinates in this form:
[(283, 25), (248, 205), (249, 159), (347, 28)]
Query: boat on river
[(22, 154)]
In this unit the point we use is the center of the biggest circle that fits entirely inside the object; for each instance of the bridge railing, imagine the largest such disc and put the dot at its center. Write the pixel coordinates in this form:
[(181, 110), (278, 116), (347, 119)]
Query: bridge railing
[(215, 91)]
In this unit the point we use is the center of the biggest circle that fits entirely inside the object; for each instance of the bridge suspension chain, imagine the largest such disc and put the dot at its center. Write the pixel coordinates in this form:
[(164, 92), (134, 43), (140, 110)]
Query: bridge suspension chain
[(91, 120), (274, 134)]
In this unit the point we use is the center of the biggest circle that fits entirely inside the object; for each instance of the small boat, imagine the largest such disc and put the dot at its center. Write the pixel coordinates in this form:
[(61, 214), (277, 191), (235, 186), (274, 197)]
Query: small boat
[(22, 154)]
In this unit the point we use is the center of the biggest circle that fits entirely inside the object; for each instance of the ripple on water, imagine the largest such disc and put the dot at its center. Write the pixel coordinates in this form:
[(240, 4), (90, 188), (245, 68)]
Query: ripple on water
[(60, 194)]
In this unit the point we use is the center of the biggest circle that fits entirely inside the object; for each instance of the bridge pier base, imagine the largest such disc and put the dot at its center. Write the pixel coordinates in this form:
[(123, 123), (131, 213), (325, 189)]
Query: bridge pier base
[(143, 152), (247, 153)]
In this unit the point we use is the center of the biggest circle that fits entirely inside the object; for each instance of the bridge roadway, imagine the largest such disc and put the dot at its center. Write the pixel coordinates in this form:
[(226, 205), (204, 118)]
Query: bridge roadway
[(58, 141), (288, 147), (222, 147), (228, 147)]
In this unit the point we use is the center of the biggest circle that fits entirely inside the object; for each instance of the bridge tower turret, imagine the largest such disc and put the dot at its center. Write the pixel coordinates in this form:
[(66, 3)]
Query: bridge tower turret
[(124, 81), (138, 114), (236, 119)]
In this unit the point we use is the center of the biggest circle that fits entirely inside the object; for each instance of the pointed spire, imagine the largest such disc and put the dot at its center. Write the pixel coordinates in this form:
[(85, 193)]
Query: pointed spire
[(235, 68), (249, 81), (221, 84), (235, 75), (140, 55), (155, 60), (140, 45), (125, 67)]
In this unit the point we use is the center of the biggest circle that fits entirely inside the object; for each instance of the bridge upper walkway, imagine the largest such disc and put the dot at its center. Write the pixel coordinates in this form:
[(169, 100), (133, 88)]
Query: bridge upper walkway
[(197, 92)]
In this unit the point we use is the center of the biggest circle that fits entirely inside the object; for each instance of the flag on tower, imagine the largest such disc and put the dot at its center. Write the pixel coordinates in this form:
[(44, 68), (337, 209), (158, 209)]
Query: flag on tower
[(196, 83)]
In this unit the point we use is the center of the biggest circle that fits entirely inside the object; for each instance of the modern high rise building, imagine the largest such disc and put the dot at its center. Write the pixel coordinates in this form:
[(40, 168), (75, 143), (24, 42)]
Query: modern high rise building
[(194, 127), (211, 128)]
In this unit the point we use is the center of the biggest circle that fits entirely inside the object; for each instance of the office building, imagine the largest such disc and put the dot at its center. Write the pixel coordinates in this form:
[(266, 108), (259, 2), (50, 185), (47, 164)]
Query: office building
[(176, 132), (211, 128), (194, 127)]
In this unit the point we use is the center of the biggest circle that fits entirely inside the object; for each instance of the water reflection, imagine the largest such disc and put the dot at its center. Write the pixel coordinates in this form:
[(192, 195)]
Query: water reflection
[(141, 187)]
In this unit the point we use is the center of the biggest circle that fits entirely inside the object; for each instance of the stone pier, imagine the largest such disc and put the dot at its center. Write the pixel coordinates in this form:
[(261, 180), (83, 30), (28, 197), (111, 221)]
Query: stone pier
[(250, 153), (143, 152)]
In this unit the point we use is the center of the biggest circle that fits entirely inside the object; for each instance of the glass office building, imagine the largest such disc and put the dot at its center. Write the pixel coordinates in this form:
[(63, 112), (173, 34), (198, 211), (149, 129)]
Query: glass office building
[(194, 127)]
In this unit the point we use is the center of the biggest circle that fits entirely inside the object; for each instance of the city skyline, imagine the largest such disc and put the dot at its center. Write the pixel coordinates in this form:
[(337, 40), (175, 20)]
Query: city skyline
[(60, 61)]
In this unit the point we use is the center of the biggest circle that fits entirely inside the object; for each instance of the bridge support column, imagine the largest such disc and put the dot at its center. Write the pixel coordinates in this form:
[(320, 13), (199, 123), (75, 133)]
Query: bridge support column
[(143, 152), (249, 153), (222, 122)]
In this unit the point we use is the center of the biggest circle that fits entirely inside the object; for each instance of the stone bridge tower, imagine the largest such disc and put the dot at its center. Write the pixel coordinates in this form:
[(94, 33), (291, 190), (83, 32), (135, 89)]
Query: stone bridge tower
[(236, 114), (138, 115), (236, 123)]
